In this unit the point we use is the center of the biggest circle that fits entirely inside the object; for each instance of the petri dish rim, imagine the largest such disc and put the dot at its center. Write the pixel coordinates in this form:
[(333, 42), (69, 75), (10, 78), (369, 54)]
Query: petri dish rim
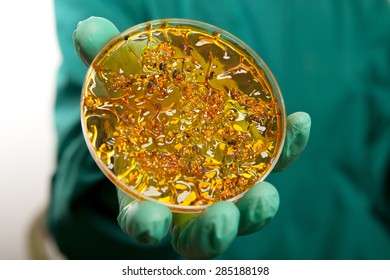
[(223, 35)]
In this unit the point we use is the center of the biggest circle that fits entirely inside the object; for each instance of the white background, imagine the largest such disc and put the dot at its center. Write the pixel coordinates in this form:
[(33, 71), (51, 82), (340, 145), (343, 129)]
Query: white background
[(29, 60), (202, 269)]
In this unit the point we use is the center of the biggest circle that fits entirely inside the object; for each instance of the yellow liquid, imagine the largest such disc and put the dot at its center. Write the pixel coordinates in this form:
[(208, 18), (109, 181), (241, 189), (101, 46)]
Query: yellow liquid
[(181, 116)]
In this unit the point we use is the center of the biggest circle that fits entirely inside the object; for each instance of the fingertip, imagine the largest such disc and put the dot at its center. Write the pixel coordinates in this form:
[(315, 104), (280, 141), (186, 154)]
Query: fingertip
[(222, 219), (91, 35), (299, 126), (297, 137), (226, 207), (208, 234), (257, 207), (146, 222), (263, 188), (300, 122)]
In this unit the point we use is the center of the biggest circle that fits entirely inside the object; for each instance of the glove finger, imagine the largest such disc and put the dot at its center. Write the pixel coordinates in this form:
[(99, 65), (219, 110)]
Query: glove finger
[(91, 35), (146, 222), (207, 235), (257, 207), (297, 136)]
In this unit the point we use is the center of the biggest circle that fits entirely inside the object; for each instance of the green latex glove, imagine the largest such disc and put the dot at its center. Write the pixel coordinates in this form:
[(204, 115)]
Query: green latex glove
[(209, 234)]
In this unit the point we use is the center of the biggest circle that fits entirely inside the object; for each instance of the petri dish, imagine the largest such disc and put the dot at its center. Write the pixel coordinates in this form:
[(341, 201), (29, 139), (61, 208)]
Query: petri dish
[(182, 113)]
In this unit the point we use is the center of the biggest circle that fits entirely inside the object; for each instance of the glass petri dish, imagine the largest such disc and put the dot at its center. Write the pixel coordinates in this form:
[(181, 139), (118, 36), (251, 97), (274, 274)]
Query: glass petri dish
[(182, 113)]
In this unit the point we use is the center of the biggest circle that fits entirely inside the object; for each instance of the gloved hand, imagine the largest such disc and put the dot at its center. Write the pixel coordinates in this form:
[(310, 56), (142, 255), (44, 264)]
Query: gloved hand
[(210, 233)]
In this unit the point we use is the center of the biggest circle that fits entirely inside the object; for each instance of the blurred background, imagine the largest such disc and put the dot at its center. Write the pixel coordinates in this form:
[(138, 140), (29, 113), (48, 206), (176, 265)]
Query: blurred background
[(29, 61)]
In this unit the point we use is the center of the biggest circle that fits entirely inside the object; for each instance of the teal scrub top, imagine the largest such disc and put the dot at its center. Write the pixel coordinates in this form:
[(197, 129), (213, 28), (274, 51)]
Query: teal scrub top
[(330, 58)]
